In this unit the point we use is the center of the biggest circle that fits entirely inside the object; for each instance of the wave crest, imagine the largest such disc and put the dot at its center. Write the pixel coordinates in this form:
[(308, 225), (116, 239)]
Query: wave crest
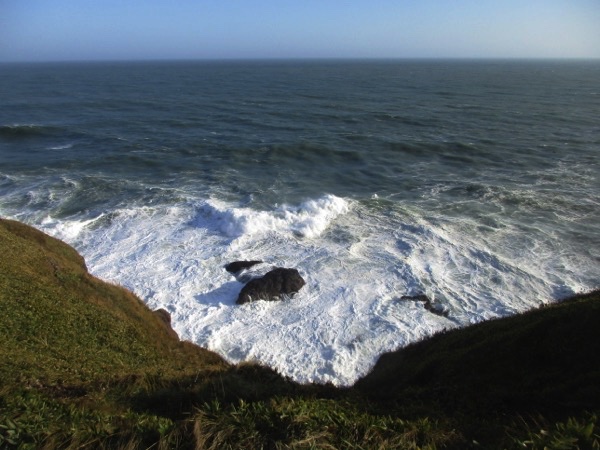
[(308, 220), (25, 130)]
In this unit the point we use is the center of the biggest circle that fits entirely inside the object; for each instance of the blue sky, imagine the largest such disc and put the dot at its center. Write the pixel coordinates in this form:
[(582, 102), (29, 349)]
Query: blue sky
[(47, 30)]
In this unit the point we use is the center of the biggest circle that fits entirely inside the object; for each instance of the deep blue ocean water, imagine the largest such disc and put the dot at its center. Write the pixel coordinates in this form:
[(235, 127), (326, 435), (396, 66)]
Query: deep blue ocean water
[(473, 182)]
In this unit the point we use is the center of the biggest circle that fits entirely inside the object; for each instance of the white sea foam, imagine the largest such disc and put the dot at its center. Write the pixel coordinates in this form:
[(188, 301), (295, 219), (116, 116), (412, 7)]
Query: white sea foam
[(308, 220), (357, 263), (68, 230)]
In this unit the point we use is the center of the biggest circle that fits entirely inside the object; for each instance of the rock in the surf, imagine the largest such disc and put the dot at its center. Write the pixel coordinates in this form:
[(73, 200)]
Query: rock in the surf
[(272, 286), (429, 305), (238, 266)]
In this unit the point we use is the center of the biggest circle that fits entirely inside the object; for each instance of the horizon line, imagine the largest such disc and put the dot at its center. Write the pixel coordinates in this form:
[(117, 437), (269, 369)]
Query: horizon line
[(307, 59)]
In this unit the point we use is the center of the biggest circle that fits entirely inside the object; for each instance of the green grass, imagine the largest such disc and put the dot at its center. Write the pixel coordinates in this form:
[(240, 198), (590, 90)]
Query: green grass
[(86, 365), (67, 326), (311, 423)]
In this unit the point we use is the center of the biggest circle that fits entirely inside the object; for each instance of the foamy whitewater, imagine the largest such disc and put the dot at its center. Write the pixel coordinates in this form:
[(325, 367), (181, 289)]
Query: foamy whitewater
[(371, 198)]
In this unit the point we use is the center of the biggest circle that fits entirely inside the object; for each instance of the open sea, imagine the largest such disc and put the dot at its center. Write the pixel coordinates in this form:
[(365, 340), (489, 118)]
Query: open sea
[(475, 183)]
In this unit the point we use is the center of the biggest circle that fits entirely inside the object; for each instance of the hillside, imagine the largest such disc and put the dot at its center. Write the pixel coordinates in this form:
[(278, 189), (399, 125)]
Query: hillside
[(86, 365)]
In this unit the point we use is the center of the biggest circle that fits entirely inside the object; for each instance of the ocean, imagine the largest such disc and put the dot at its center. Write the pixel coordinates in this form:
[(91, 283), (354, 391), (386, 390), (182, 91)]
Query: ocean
[(474, 183)]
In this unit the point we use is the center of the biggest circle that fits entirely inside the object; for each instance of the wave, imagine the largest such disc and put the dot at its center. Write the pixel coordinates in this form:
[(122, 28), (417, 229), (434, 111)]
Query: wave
[(309, 154), (68, 230), (307, 220), (405, 120), (61, 147), (55, 137), (18, 131)]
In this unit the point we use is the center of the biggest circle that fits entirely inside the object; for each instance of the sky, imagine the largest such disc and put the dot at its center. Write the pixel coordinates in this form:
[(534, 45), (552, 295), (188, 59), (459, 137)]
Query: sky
[(65, 30)]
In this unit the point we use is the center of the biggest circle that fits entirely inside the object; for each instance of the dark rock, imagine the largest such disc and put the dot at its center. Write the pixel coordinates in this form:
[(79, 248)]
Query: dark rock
[(279, 281), (416, 298), (165, 318), (429, 305), (436, 309), (238, 266)]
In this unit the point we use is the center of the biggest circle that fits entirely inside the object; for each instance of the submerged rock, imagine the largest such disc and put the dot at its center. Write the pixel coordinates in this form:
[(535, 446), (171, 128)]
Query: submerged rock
[(242, 270), (429, 305), (279, 281), (238, 266), (417, 298)]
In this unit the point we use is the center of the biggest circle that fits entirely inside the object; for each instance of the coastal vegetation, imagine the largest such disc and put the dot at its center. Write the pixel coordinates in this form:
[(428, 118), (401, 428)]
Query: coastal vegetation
[(85, 364)]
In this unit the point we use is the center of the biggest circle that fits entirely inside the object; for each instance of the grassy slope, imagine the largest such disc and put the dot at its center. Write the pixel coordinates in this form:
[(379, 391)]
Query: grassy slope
[(85, 363), (60, 324)]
